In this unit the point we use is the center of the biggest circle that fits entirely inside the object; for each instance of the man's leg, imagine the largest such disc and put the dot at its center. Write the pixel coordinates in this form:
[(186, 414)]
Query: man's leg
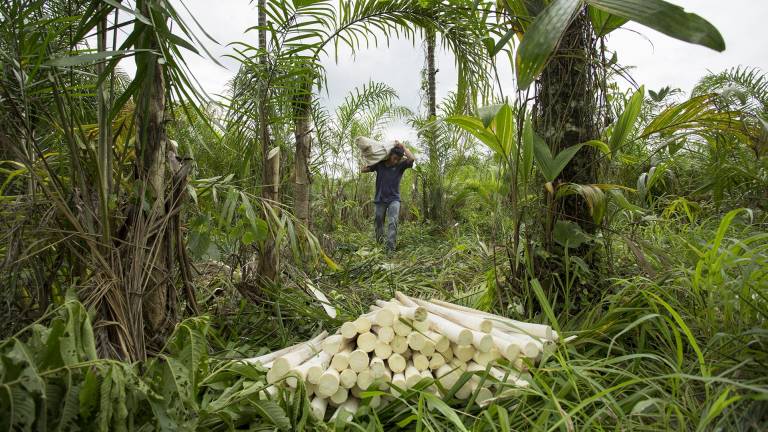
[(393, 213), (378, 221)]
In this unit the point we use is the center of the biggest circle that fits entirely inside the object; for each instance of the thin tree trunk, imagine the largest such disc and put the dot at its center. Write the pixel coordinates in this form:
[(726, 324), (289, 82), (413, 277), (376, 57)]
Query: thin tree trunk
[(268, 260), (434, 189), (149, 229), (302, 179), (565, 114)]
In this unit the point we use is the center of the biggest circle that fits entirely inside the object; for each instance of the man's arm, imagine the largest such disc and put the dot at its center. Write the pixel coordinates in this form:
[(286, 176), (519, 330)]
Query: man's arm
[(408, 156), (366, 169)]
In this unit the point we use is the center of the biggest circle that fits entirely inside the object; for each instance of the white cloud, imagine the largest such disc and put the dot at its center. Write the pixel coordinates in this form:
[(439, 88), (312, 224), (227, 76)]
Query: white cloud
[(658, 59)]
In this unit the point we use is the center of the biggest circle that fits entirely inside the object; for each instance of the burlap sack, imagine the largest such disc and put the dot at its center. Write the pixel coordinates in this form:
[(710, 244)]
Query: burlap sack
[(373, 151)]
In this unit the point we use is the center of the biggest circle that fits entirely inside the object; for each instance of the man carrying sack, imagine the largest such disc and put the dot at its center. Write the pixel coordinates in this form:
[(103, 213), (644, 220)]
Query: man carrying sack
[(389, 173)]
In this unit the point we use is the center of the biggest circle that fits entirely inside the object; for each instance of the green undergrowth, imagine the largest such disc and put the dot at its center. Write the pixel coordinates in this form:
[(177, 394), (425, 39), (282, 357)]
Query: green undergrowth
[(684, 347)]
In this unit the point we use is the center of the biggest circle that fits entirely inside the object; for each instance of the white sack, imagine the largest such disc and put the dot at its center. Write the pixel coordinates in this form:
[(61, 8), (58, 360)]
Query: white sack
[(373, 151)]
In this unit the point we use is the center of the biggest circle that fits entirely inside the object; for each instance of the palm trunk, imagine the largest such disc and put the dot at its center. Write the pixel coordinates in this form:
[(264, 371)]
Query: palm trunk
[(434, 193), (268, 260), (565, 114), (302, 181)]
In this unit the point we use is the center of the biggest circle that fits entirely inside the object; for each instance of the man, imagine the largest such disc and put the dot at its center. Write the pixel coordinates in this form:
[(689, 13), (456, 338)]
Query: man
[(389, 173)]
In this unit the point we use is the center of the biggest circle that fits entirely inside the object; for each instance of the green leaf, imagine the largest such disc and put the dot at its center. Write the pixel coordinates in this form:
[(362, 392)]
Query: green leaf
[(503, 41), (551, 167), (542, 38), (527, 150), (603, 22), (672, 20), (86, 58), (626, 121), (487, 113), (435, 403), (272, 412), (568, 234)]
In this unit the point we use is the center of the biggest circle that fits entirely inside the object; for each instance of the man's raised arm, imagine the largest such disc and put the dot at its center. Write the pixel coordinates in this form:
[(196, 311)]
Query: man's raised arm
[(366, 169)]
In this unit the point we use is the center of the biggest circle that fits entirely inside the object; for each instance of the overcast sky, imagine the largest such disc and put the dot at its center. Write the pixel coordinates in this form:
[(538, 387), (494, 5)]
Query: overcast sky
[(658, 60)]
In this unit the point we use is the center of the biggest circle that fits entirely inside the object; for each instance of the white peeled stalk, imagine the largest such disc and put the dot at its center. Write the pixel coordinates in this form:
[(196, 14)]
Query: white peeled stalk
[(334, 343), (484, 358), (471, 321), (365, 379), (340, 396), (428, 348), (420, 362), (436, 361), (374, 402), (420, 326), (346, 410), (399, 344), (536, 330), (283, 364), (456, 333), (318, 365), (527, 345), (464, 352), (347, 378), (401, 328), (366, 341), (482, 341), (508, 348), (383, 350), (441, 342), (412, 375), (447, 354), (384, 317), (415, 313), (310, 389), (358, 360), (416, 340), (362, 324), (396, 363), (447, 375), (398, 382), (328, 383), (384, 333), (496, 373), (484, 394), (340, 360), (348, 330), (318, 407), (268, 358), (378, 368), (427, 374)]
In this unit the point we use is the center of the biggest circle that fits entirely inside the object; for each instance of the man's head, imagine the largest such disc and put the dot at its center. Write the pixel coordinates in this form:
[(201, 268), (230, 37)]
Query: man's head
[(396, 155)]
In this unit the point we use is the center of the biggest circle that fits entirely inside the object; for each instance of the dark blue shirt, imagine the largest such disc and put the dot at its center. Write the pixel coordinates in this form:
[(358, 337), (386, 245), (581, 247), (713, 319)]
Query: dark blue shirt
[(388, 181)]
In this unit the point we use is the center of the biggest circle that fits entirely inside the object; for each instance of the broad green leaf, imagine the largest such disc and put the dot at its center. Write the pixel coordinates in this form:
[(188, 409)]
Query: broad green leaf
[(436, 403), (551, 167), (86, 58), (672, 20), (503, 41), (592, 194), (527, 150), (545, 305), (542, 38), (568, 234), (603, 22), (487, 113), (626, 121), (271, 412)]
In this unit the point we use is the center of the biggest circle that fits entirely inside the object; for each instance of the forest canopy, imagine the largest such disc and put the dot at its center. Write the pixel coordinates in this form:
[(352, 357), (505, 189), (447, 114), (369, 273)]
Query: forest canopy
[(153, 237)]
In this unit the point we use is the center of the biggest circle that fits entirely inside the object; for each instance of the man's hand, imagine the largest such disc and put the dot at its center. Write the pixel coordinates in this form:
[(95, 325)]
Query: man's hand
[(365, 169), (408, 154)]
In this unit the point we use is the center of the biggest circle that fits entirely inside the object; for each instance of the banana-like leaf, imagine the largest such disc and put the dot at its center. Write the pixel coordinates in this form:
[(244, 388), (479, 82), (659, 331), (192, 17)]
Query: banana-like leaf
[(672, 20), (542, 38), (592, 194), (604, 22), (626, 121)]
